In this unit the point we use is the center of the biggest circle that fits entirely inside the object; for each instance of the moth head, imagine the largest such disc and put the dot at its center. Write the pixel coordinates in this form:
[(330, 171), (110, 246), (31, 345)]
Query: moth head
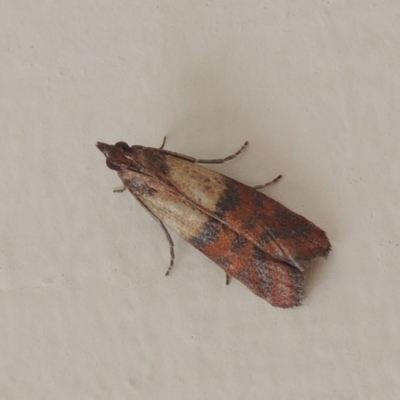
[(116, 155)]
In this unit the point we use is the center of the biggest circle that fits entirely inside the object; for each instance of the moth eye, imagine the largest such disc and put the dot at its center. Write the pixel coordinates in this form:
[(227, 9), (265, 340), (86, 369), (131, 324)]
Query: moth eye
[(111, 165), (123, 146)]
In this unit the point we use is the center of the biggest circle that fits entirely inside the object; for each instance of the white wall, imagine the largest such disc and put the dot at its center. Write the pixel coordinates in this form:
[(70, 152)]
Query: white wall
[(85, 309)]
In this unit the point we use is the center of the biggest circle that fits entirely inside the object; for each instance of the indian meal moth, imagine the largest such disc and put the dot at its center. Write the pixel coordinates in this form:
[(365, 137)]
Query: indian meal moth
[(252, 237)]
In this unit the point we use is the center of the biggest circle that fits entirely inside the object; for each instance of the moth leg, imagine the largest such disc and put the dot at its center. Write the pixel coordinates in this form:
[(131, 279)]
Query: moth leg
[(163, 143), (228, 279), (171, 247), (222, 160), (268, 183), (168, 236), (119, 190), (204, 161)]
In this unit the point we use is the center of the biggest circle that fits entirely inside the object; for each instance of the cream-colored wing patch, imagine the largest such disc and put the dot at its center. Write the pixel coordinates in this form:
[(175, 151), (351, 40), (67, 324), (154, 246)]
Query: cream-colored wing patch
[(176, 211), (201, 185)]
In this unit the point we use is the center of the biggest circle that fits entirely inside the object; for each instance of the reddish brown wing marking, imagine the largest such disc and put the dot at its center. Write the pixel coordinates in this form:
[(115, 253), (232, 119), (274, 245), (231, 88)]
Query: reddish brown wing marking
[(277, 282), (279, 232)]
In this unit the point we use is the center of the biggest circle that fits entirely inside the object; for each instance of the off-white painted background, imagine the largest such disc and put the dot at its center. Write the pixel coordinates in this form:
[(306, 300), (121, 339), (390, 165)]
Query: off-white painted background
[(85, 309)]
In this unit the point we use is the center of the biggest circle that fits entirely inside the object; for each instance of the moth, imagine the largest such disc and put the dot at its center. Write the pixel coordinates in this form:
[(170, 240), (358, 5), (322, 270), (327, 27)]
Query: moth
[(252, 237)]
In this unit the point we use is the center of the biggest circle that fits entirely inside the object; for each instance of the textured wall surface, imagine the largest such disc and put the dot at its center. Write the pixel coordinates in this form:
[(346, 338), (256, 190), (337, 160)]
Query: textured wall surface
[(85, 309)]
